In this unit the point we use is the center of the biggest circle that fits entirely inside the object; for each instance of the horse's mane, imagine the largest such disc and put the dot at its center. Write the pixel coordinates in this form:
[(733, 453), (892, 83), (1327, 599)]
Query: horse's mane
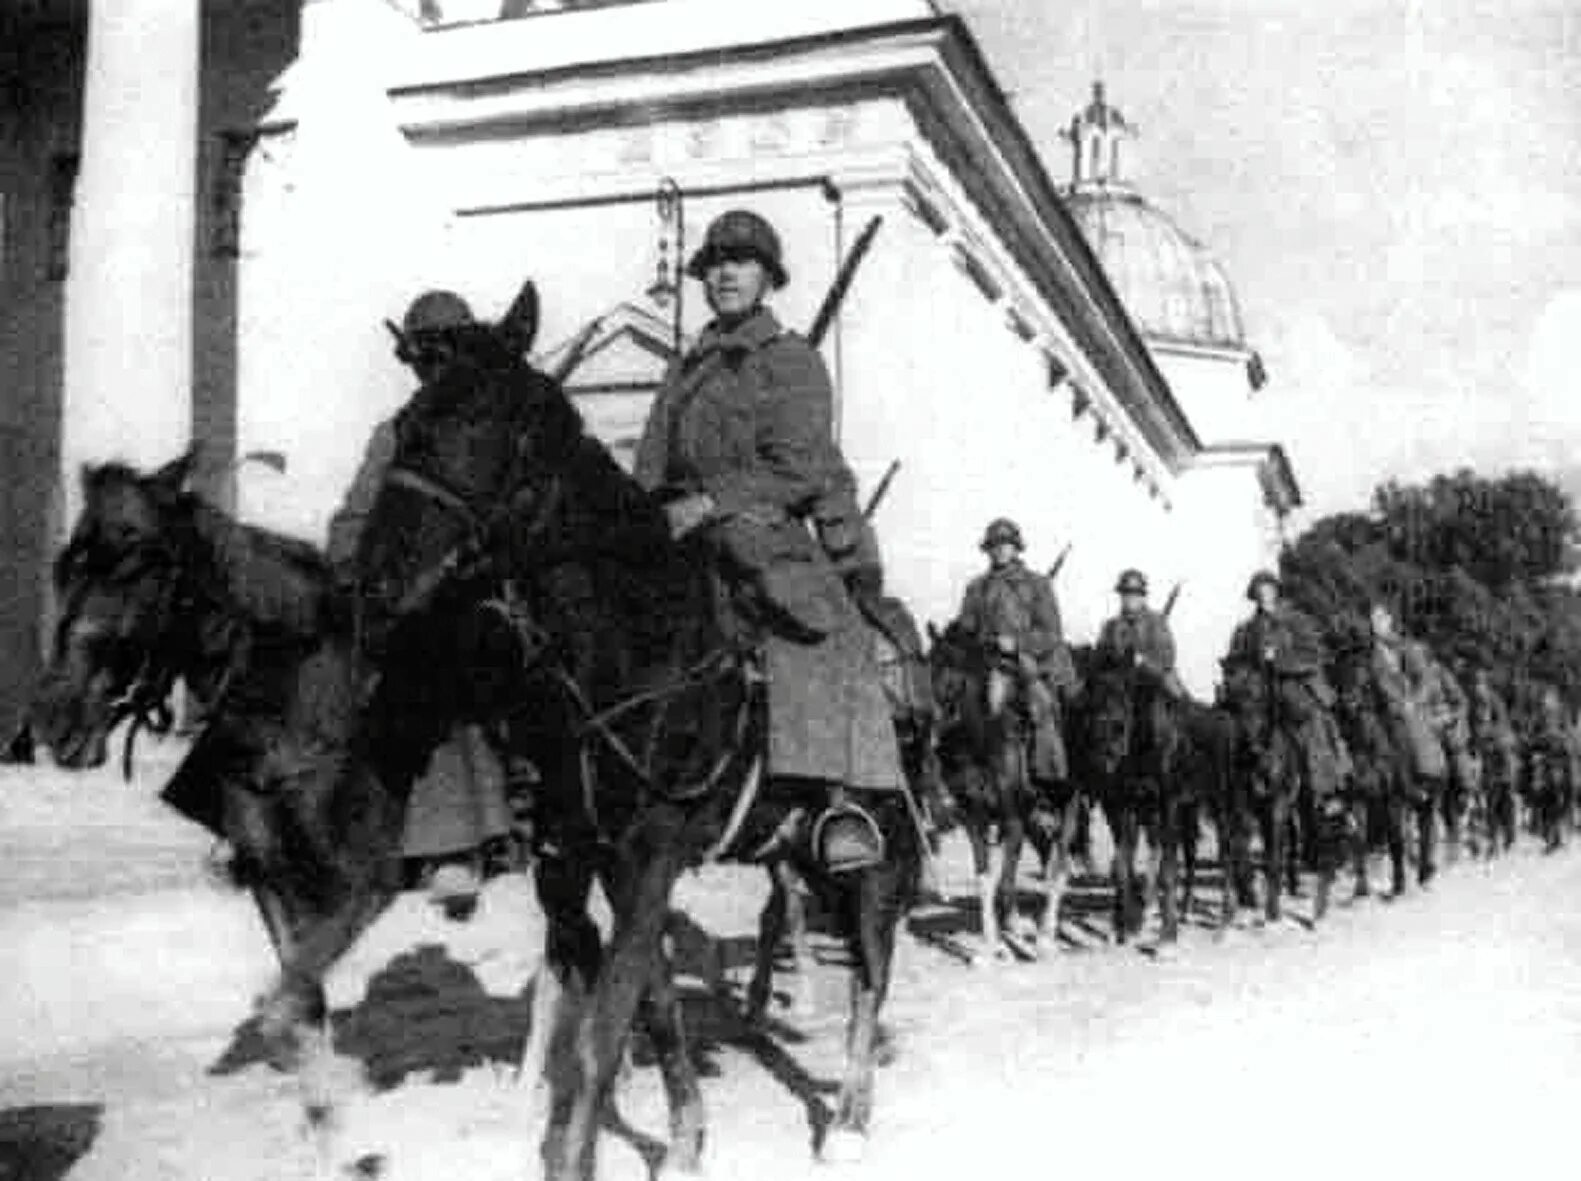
[(275, 580)]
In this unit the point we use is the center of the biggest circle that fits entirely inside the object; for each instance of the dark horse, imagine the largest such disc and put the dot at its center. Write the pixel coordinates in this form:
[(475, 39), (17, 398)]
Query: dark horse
[(1382, 776), (156, 586), (984, 756), (516, 576), (1270, 759), (1132, 753)]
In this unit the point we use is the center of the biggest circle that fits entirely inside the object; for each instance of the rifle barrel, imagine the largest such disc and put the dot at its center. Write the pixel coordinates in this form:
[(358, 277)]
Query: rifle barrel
[(882, 488), (842, 282)]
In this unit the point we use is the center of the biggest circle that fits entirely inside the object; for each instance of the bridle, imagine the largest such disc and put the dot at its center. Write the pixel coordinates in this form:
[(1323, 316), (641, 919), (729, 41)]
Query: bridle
[(145, 698), (474, 555)]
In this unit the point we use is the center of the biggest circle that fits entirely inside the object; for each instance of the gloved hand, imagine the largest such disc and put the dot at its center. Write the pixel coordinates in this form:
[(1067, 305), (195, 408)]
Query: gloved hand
[(688, 512), (1005, 643), (866, 581)]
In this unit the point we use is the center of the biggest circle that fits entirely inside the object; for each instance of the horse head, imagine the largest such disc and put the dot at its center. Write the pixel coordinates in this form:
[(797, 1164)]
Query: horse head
[(118, 582), (959, 669), (1110, 711), (478, 451)]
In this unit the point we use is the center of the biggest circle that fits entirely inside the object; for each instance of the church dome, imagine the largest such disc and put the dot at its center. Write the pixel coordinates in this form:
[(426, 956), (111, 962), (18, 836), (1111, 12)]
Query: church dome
[(1170, 283)]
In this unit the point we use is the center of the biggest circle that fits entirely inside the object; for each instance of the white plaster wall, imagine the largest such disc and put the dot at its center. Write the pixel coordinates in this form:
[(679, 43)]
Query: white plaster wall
[(340, 230), (1214, 392), (937, 379), (1226, 541)]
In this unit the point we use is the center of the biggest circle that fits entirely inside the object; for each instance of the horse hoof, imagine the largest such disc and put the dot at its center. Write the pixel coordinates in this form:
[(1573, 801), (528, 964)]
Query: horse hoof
[(843, 1147)]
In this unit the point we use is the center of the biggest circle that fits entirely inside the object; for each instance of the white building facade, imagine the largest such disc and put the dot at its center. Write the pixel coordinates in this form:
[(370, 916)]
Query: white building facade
[(322, 161)]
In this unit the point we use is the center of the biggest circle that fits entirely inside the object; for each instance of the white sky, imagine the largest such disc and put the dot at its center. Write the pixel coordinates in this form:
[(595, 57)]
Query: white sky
[(1396, 196)]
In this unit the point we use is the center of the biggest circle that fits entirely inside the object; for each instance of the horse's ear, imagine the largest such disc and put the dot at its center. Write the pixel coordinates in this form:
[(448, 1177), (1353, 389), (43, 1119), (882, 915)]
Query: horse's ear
[(519, 326), (174, 476), (933, 632)]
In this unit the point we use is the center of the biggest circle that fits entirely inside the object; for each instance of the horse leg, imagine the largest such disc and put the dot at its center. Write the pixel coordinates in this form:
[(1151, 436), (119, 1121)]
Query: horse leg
[(1452, 802), (641, 904), (877, 899), (988, 871), (660, 1014), (1006, 895), (572, 953), (1427, 837), (1296, 842), (771, 929), (804, 1002), (1190, 839), (1276, 823), (1121, 873), (1167, 858), (1056, 869), (1361, 817)]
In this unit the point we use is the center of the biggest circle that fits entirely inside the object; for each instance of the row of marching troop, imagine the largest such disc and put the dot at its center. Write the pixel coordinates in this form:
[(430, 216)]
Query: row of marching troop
[(680, 665)]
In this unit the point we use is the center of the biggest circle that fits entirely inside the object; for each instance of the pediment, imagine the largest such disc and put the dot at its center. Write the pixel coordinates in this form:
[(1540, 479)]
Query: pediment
[(629, 347)]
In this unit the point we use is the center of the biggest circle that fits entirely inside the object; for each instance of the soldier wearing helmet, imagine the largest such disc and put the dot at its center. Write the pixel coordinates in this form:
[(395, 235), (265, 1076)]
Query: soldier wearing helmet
[(427, 343), (739, 447), (1282, 642), (458, 804), (1139, 636), (1012, 611)]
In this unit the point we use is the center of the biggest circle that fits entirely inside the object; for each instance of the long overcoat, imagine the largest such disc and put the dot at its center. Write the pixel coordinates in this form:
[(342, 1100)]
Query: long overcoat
[(1287, 639), (1145, 633), (1018, 602), (746, 417), (1399, 665)]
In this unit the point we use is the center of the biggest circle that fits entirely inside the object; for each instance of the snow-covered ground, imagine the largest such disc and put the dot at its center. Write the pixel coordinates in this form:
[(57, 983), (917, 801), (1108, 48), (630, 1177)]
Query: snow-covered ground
[(1439, 1036)]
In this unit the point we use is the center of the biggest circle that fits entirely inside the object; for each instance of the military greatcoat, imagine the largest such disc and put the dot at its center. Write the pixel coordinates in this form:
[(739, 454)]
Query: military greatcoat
[(1013, 603), (1400, 667), (1017, 602), (1289, 641), (1143, 633), (746, 417)]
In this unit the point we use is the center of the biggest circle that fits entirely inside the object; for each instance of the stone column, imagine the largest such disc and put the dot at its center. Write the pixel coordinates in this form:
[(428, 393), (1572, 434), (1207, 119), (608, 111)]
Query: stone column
[(128, 371)]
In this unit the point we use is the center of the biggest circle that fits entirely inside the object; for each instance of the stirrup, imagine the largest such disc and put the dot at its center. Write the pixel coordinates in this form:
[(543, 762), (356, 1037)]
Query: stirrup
[(846, 839)]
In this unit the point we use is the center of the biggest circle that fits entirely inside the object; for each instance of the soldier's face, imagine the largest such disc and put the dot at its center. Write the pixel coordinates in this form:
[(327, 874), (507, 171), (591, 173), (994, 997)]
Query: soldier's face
[(1267, 596), (1132, 604), (1003, 554), (735, 286)]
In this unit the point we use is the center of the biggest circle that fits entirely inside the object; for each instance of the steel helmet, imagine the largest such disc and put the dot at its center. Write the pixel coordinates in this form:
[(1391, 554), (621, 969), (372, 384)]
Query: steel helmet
[(740, 233), (1132, 582), (1262, 578), (436, 311), (1002, 531)]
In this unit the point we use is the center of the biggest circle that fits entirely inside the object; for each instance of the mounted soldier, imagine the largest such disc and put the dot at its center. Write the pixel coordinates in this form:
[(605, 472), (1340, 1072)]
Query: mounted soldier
[(459, 805), (739, 446), (1282, 642), (1140, 636), (1400, 666), (1492, 732), (1497, 750), (1012, 612)]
